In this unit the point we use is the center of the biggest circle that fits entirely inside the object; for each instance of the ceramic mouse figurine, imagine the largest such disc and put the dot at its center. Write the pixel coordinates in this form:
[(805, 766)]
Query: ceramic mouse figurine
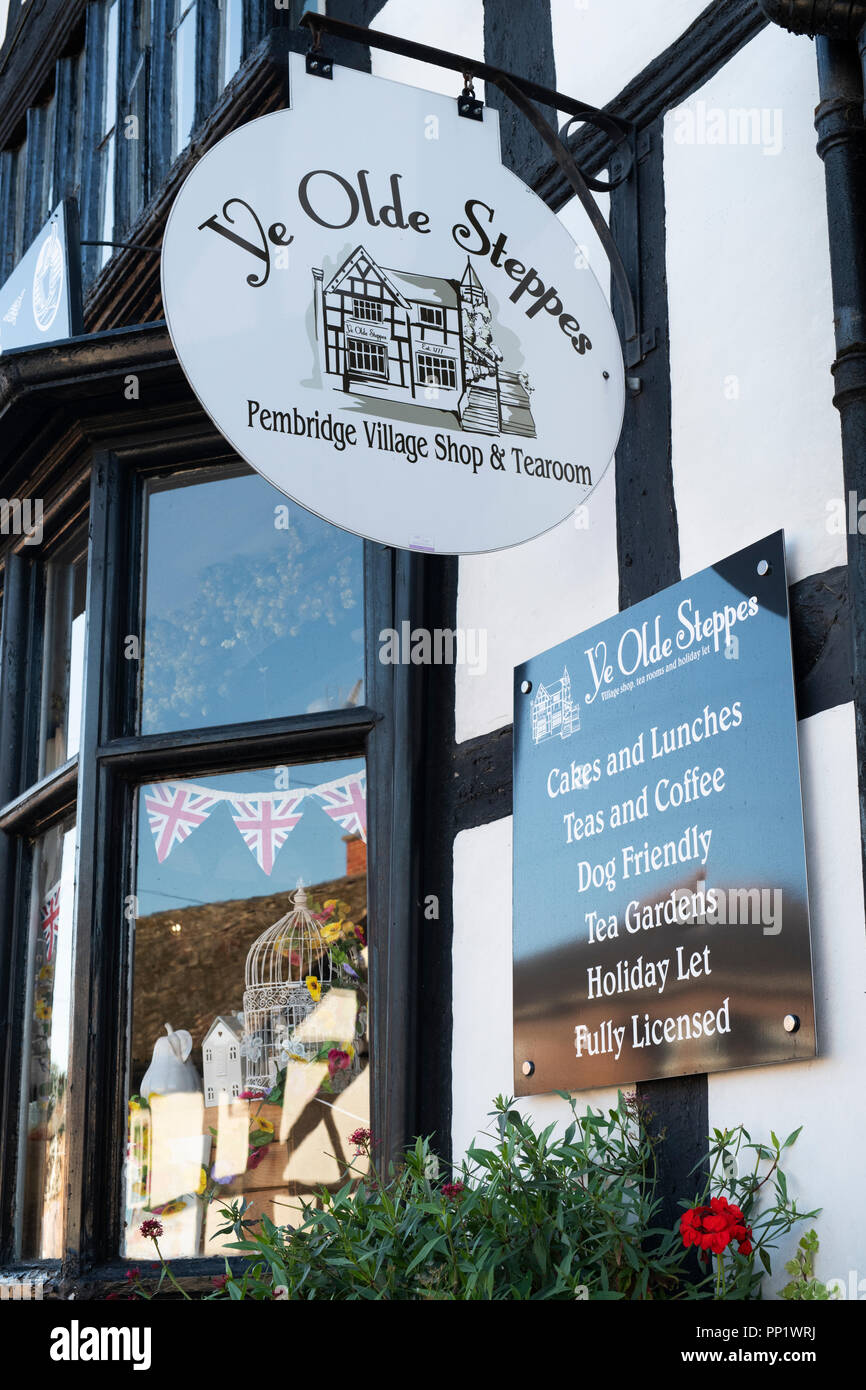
[(169, 1069)]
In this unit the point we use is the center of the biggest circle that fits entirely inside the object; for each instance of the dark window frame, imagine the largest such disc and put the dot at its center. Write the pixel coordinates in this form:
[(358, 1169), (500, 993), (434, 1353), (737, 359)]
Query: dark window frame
[(435, 315), (113, 762)]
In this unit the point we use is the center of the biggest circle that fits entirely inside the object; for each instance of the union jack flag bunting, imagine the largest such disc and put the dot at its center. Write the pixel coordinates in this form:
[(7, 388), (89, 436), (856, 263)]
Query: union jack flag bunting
[(346, 803), (174, 812), (265, 822), (50, 920)]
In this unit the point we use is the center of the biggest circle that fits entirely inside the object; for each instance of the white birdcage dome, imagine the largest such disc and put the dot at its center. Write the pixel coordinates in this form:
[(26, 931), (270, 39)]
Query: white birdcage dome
[(281, 966), (289, 951)]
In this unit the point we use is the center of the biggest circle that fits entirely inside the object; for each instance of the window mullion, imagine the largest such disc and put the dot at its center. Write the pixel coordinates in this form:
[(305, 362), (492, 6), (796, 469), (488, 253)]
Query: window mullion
[(17, 593), (208, 66), (95, 66), (93, 1052), (131, 135), (255, 25), (161, 92), (34, 186), (8, 183), (67, 130)]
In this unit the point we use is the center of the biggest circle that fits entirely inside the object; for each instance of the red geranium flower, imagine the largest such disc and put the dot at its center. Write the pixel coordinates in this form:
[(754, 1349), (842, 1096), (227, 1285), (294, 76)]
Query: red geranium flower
[(452, 1189), (713, 1227)]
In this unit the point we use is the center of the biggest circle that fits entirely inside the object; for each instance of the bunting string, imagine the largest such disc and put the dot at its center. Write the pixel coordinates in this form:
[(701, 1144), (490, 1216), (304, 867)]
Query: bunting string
[(264, 819)]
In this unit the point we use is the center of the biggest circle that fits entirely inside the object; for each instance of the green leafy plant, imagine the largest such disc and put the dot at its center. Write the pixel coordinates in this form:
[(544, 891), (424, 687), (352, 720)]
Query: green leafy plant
[(532, 1215), (804, 1285)]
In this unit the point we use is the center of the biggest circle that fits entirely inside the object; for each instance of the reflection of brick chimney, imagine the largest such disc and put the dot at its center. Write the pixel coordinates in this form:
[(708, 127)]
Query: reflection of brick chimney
[(356, 854)]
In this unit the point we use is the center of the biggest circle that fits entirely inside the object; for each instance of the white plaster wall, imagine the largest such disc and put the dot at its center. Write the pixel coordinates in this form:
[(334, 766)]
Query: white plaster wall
[(827, 1095), (529, 598), (481, 1058), (751, 319), (456, 25), (535, 595), (748, 274), (600, 45)]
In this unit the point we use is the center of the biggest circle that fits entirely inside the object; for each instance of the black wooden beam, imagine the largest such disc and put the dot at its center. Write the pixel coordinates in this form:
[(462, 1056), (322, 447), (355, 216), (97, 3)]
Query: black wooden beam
[(716, 35), (520, 36), (34, 40)]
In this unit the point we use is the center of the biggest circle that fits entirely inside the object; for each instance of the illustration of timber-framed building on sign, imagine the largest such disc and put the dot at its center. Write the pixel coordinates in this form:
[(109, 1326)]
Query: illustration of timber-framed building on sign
[(419, 339)]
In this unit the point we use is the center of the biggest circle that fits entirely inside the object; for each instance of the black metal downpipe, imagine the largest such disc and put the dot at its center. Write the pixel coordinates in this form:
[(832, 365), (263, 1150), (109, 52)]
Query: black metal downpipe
[(833, 19), (839, 28), (842, 146)]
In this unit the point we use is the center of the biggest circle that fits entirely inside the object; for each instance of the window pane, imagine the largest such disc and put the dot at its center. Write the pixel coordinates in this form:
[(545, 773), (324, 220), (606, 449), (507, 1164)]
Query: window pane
[(232, 36), (253, 607), (263, 1078), (107, 234), (63, 662), (42, 1195), (111, 54), (184, 74), (106, 151)]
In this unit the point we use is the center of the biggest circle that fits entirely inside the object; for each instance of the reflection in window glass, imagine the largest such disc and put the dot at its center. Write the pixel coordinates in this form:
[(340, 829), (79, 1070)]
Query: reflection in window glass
[(248, 1069), (184, 73), (232, 13), (108, 140), (42, 1160), (63, 663), (253, 607)]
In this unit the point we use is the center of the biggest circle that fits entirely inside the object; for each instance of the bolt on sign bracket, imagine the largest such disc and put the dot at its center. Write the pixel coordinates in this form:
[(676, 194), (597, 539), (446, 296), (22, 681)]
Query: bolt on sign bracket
[(524, 94)]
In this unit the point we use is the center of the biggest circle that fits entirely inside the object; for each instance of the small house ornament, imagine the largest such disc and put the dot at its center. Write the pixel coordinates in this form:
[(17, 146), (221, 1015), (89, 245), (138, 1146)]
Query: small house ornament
[(221, 1060), (288, 968)]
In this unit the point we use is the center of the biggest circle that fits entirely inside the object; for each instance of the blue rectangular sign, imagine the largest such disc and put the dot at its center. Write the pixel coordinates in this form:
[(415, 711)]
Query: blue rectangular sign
[(41, 301), (661, 918)]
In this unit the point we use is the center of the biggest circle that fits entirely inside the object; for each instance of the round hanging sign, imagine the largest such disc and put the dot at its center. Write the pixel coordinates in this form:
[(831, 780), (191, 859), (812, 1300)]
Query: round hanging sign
[(387, 324)]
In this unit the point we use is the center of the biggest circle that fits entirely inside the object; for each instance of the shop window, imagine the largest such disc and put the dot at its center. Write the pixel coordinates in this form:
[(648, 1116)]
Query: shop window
[(369, 358), (253, 608), (435, 371), (65, 581), (41, 1205), (184, 38), (247, 613), (248, 1067)]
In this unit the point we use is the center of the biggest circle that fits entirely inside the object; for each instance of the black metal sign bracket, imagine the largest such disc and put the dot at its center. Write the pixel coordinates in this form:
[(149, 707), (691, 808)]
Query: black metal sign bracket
[(524, 94)]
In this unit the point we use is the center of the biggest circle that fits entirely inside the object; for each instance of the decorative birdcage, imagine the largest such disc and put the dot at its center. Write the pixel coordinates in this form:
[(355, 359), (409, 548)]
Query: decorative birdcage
[(287, 968)]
